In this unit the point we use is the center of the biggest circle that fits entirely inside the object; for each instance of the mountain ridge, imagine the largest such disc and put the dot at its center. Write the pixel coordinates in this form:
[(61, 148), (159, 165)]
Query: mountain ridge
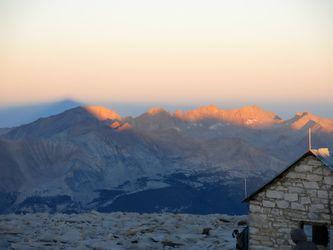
[(89, 157), (247, 115), (250, 116), (302, 119)]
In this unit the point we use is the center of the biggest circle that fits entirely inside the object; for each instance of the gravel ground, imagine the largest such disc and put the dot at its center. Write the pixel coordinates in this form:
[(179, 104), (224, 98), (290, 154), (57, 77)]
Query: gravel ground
[(117, 231)]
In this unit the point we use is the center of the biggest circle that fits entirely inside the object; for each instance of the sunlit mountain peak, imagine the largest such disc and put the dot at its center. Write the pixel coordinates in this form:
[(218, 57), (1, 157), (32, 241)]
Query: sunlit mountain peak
[(102, 113)]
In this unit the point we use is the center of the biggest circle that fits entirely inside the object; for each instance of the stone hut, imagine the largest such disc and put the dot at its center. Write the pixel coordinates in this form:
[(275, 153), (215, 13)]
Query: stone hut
[(301, 196)]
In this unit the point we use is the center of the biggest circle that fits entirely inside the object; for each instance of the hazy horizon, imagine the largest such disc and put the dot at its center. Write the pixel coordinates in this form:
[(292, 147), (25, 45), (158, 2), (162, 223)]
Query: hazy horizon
[(284, 110), (246, 52)]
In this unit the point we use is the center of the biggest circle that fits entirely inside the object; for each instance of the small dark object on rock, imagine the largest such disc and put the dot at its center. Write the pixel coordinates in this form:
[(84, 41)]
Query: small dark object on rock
[(224, 220), (134, 241), (242, 223), (206, 230), (47, 244), (153, 240), (167, 243)]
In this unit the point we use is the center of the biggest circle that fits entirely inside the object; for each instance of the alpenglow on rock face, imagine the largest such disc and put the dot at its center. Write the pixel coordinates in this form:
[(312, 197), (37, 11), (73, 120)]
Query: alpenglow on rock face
[(246, 116), (195, 161)]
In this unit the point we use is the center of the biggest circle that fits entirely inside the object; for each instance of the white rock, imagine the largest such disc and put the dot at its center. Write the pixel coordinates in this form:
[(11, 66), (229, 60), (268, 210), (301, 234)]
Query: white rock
[(268, 204), (311, 185), (297, 206), (322, 194), (274, 194), (328, 180), (290, 197), (282, 204)]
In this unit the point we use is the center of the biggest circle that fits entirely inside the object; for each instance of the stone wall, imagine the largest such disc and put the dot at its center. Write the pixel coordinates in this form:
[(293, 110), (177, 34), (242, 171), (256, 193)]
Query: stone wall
[(305, 193)]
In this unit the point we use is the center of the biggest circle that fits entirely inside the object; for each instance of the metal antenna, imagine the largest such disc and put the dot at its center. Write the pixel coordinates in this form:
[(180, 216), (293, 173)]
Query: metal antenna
[(245, 187), (310, 139)]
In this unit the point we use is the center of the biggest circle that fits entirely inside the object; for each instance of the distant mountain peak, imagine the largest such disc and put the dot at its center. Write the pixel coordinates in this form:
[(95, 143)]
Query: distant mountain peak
[(102, 113), (209, 108), (251, 116), (256, 112), (156, 110), (306, 119), (201, 113)]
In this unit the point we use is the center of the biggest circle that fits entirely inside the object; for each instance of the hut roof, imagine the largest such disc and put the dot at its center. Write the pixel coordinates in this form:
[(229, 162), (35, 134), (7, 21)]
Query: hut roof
[(321, 154)]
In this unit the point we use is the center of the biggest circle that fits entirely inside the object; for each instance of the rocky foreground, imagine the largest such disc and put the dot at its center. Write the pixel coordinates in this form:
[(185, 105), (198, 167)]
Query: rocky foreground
[(118, 231)]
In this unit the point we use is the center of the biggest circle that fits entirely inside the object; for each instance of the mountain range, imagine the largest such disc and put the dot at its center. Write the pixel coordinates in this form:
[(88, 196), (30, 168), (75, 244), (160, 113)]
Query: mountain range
[(90, 157)]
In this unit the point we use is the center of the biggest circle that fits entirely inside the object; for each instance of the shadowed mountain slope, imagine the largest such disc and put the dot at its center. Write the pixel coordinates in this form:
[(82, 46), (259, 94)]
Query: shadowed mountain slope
[(92, 158)]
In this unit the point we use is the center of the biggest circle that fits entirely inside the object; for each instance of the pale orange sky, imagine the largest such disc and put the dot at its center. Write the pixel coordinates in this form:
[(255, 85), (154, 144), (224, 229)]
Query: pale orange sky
[(166, 51)]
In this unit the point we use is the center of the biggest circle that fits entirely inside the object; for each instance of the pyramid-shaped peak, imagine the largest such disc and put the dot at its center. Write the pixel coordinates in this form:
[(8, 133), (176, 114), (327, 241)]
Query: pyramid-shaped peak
[(156, 110), (303, 119), (308, 116)]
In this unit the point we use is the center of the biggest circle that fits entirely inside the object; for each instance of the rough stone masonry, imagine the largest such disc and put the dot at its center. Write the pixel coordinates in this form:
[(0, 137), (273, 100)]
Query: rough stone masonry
[(303, 194)]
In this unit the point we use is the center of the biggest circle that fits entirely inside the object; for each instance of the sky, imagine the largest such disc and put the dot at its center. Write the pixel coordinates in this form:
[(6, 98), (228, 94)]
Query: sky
[(182, 52)]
